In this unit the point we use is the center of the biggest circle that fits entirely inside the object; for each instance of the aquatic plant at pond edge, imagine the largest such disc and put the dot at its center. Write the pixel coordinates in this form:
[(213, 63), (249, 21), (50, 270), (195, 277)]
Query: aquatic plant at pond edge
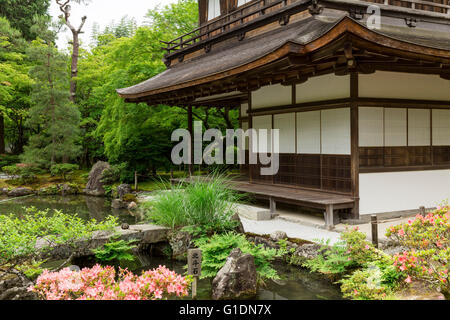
[(102, 283)]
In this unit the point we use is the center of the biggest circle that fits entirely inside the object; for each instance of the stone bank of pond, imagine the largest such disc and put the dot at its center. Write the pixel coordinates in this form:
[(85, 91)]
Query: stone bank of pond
[(295, 283)]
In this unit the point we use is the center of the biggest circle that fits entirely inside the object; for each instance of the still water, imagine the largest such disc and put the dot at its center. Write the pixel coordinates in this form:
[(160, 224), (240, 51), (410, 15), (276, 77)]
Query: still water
[(295, 283)]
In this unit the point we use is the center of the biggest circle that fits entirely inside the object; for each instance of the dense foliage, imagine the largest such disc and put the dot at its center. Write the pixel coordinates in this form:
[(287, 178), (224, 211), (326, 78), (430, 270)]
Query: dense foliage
[(365, 272), (98, 124), (102, 283), (427, 243), (216, 249), (19, 236)]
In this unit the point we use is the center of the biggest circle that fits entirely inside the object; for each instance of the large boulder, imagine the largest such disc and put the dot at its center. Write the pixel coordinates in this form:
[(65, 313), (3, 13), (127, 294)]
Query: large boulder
[(180, 242), (122, 190), (20, 192), (237, 279), (94, 187), (15, 287)]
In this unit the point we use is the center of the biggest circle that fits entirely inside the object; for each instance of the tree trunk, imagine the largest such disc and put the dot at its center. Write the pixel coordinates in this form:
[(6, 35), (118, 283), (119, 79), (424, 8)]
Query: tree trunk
[(74, 66)]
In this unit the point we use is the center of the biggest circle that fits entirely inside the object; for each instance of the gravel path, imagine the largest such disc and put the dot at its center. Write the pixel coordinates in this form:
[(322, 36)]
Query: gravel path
[(293, 230)]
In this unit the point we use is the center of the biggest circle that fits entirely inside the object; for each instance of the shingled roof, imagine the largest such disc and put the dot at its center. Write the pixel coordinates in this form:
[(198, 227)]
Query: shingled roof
[(223, 62)]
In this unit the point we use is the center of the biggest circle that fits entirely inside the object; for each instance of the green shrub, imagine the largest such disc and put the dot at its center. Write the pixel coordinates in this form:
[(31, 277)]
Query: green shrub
[(112, 175), (353, 251), (216, 249), (12, 170), (18, 236), (208, 204), (8, 160), (332, 259), (365, 284), (63, 170)]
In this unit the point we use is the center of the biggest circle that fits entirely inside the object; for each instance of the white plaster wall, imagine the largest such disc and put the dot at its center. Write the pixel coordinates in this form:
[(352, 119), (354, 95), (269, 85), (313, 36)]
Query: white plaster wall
[(244, 110), (308, 132), (286, 124), (336, 131), (398, 191), (272, 96), (394, 85), (324, 87)]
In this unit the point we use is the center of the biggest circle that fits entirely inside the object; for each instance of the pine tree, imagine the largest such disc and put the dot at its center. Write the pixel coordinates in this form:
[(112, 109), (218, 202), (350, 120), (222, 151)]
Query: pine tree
[(53, 117)]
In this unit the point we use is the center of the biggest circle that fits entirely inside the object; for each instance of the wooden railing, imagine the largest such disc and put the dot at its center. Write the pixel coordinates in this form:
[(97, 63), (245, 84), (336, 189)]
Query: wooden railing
[(257, 8), (226, 22)]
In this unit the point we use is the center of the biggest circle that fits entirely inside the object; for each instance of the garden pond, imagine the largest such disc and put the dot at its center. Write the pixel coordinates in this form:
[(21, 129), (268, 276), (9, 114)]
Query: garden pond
[(295, 283)]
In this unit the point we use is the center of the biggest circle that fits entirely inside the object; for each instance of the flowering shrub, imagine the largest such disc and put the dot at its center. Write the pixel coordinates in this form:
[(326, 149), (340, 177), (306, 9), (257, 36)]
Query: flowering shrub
[(100, 283), (427, 240)]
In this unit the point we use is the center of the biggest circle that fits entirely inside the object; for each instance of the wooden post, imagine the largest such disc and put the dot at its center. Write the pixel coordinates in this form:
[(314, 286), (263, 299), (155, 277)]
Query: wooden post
[(194, 288), (194, 268), (374, 222), (136, 181), (191, 146)]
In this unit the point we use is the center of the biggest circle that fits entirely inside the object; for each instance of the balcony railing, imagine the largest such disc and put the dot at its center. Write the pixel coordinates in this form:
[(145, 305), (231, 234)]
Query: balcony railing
[(258, 8)]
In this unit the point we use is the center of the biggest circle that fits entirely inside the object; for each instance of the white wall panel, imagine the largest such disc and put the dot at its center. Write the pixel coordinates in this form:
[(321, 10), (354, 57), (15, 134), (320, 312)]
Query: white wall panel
[(336, 131), (371, 127), (396, 85), (272, 96), (286, 124), (441, 127), (264, 145), (395, 127), (324, 87), (419, 127), (398, 191), (244, 109), (308, 132)]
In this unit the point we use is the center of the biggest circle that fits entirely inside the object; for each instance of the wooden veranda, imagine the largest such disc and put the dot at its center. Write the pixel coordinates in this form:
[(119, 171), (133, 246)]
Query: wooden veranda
[(326, 201)]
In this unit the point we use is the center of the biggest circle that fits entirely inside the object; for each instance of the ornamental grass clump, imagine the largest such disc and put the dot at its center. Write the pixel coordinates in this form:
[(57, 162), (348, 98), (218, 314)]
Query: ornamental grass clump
[(102, 283), (208, 204), (427, 243)]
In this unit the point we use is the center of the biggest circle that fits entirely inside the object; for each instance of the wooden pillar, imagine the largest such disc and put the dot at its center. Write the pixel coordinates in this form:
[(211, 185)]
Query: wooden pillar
[(354, 127), (191, 145), (374, 222), (250, 146)]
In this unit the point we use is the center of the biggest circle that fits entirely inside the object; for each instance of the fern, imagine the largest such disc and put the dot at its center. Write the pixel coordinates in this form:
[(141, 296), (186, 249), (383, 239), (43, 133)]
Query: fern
[(115, 250)]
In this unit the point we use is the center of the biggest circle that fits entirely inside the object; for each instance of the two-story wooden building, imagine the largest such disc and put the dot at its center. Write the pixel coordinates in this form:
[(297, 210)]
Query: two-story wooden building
[(363, 108)]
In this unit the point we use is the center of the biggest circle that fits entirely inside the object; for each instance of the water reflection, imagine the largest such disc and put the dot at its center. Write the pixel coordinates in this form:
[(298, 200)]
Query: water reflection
[(85, 207)]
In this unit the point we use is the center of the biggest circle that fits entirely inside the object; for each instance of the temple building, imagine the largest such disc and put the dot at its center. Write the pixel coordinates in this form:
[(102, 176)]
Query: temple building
[(360, 91)]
